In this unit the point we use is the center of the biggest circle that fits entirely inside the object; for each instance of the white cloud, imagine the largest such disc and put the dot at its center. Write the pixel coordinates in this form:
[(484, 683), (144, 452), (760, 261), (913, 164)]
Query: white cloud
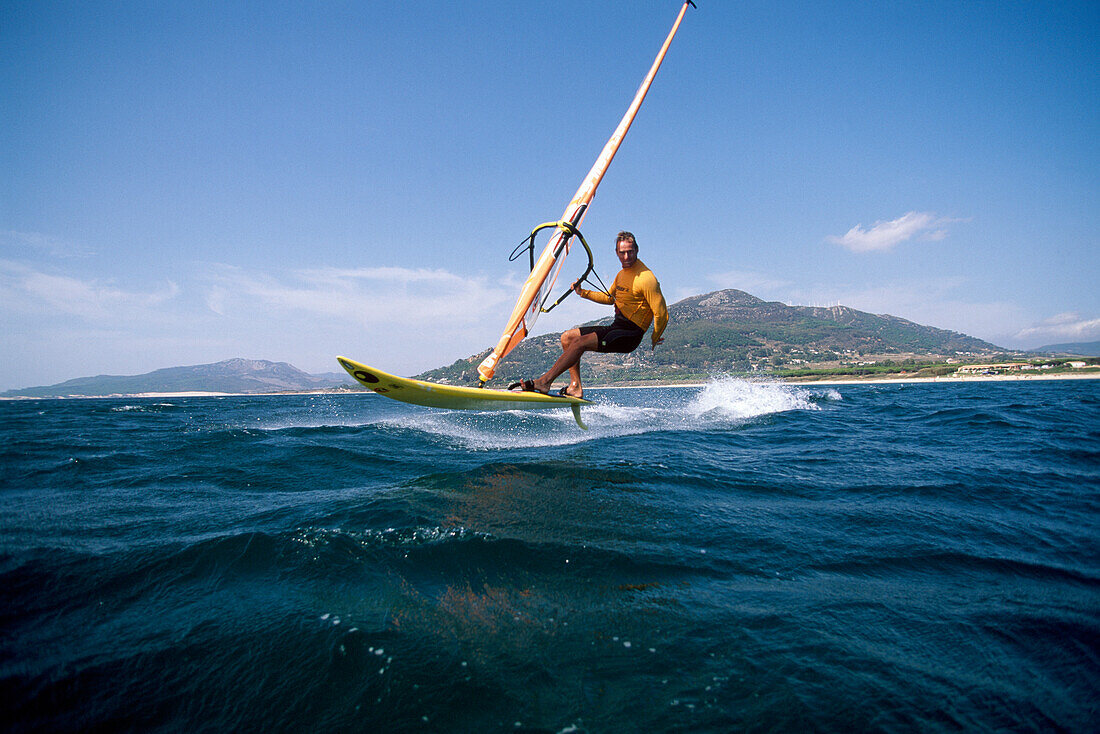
[(883, 236), (1064, 327), (29, 290), (405, 319), (403, 297)]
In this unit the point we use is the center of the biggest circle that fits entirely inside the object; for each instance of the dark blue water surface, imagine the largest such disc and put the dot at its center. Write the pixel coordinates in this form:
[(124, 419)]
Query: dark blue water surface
[(741, 556)]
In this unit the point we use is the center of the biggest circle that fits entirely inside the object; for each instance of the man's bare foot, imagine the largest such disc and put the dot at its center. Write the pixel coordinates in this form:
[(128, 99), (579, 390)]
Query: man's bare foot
[(539, 385), (574, 391)]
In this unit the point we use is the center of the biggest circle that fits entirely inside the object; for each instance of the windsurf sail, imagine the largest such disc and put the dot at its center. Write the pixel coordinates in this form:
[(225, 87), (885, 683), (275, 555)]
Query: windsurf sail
[(544, 272)]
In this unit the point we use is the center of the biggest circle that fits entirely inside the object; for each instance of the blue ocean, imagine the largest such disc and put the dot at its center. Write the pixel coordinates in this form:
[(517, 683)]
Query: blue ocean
[(737, 556)]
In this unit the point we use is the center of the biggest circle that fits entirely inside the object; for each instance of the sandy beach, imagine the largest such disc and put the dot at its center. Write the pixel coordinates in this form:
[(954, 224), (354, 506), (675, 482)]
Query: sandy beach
[(876, 380), (793, 381), (951, 378)]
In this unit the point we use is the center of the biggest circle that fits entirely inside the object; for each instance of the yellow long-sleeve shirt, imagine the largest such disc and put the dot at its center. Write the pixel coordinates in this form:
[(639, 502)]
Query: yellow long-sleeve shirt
[(636, 294)]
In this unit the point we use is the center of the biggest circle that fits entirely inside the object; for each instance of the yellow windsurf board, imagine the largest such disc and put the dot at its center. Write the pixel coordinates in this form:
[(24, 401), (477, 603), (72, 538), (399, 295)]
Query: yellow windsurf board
[(435, 395)]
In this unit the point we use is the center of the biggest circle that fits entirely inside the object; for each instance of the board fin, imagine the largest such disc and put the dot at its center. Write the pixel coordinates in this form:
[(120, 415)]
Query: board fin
[(577, 415)]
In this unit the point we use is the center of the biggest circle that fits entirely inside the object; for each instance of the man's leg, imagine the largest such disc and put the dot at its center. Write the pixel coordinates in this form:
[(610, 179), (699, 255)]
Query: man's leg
[(567, 338), (573, 345)]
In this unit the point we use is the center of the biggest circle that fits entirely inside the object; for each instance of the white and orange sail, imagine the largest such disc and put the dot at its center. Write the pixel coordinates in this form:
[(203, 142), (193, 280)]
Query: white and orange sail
[(545, 271)]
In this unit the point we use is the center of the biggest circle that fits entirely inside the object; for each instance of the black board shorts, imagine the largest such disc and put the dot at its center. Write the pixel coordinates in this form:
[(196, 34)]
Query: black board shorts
[(621, 337)]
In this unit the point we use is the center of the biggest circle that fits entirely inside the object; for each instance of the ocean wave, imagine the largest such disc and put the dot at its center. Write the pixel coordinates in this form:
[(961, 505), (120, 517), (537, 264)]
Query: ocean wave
[(734, 556), (960, 565)]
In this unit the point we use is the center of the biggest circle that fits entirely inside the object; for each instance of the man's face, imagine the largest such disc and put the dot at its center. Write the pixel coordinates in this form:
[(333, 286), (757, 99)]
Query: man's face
[(627, 252)]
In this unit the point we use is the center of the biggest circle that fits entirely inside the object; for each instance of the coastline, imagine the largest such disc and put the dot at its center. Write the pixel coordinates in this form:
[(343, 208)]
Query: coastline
[(834, 381), (873, 380), (951, 378)]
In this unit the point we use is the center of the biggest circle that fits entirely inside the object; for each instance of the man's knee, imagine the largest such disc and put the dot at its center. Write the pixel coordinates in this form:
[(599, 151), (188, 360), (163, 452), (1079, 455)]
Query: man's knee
[(569, 337)]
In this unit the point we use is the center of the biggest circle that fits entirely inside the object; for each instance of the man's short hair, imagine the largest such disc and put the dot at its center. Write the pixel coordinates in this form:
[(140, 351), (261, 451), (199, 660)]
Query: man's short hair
[(625, 236)]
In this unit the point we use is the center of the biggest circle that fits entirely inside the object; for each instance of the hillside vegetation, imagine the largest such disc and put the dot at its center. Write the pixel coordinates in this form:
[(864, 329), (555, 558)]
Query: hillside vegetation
[(734, 332)]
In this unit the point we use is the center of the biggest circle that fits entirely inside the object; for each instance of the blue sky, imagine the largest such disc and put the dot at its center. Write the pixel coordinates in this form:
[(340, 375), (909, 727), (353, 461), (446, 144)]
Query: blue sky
[(187, 182)]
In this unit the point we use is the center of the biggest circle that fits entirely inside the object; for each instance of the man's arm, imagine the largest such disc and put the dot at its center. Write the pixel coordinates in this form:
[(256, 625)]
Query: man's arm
[(656, 300), (597, 296)]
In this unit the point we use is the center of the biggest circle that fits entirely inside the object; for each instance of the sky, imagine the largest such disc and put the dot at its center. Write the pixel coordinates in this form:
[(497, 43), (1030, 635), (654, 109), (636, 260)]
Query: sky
[(182, 183)]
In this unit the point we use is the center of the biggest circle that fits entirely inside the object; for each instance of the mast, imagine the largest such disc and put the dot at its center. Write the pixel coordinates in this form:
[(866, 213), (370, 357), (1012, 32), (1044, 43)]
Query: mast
[(545, 272)]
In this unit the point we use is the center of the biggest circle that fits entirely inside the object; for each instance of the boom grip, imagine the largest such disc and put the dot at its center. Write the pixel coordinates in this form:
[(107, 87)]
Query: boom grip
[(570, 231)]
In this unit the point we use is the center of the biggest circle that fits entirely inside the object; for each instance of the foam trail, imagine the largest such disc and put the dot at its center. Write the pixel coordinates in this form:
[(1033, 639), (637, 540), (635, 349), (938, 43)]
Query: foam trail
[(720, 402), (723, 402), (726, 397)]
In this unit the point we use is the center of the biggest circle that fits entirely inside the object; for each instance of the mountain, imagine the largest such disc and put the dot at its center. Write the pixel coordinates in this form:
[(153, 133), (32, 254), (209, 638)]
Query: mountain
[(231, 376), (733, 331), (1083, 349), (723, 331)]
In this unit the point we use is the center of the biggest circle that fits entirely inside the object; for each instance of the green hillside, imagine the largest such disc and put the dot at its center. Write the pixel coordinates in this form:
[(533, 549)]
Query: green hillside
[(733, 331)]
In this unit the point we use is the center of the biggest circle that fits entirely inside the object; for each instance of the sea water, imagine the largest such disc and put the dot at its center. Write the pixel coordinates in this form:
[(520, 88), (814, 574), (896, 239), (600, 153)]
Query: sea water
[(737, 556)]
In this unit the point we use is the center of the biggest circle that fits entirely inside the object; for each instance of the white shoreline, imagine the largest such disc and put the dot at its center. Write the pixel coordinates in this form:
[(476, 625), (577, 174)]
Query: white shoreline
[(950, 378), (872, 380), (868, 381), (800, 382)]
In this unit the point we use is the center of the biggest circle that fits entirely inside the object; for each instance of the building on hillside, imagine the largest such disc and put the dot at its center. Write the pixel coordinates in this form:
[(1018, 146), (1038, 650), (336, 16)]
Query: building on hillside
[(991, 369)]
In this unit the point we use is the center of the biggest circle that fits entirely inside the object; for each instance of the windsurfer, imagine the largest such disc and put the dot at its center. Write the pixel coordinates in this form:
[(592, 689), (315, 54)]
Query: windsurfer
[(636, 296)]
